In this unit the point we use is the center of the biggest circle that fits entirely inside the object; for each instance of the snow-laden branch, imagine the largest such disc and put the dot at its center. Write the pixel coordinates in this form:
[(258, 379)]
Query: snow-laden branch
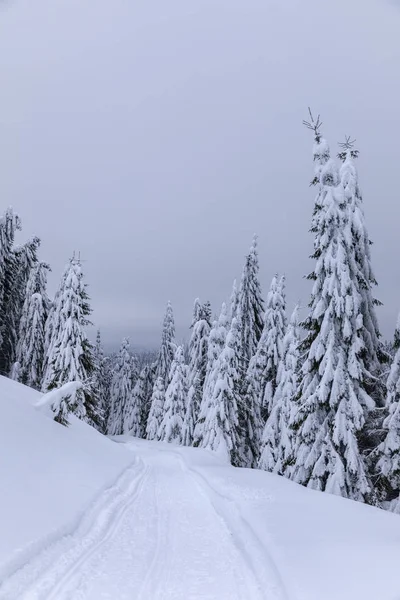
[(61, 401)]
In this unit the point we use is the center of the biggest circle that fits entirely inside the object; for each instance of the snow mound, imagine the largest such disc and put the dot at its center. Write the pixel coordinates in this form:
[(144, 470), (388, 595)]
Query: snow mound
[(49, 474)]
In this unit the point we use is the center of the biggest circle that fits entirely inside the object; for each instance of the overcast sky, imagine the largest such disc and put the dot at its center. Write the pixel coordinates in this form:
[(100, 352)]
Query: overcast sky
[(156, 136)]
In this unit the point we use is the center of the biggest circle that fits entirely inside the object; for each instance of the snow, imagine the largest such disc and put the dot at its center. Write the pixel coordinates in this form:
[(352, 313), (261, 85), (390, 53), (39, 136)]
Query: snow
[(91, 519), (49, 474)]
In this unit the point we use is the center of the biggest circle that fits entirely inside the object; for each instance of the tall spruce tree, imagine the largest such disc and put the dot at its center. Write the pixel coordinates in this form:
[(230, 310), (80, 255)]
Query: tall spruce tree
[(273, 334), (163, 369), (9, 224), (121, 390), (171, 427), (216, 343), (71, 355), (28, 368), (102, 381), (168, 346), (374, 353), (156, 409), (260, 380), (234, 300), (277, 441), (220, 431), (387, 470), (20, 261), (250, 306), (198, 349), (333, 395), (138, 407), (147, 377)]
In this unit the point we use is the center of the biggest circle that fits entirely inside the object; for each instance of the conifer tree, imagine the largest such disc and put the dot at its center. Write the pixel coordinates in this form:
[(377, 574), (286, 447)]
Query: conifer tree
[(277, 442), (71, 355), (133, 412), (175, 402), (156, 409), (272, 341), (388, 452), (163, 369), (138, 407), (250, 306), (234, 300), (102, 381), (374, 351), (216, 343), (198, 349), (133, 408), (9, 224), (220, 431), (251, 422), (260, 380), (28, 368), (121, 390), (194, 397), (333, 395), (18, 264), (147, 376), (168, 346)]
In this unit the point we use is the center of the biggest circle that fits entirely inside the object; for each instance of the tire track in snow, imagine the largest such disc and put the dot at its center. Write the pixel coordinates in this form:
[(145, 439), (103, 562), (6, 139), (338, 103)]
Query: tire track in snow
[(51, 574), (155, 574), (155, 582), (254, 552)]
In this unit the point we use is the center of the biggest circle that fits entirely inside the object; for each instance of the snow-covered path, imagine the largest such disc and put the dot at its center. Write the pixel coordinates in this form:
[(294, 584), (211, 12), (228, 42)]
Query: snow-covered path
[(161, 532)]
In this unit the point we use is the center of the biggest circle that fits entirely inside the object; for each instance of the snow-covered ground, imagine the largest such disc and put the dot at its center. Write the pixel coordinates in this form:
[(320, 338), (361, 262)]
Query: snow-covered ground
[(83, 517)]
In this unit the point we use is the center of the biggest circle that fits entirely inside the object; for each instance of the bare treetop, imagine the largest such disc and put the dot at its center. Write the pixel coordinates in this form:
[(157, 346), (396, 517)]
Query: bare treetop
[(313, 124)]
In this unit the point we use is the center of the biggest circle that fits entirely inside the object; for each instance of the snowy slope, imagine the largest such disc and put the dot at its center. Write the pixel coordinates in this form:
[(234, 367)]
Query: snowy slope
[(174, 523), (48, 473)]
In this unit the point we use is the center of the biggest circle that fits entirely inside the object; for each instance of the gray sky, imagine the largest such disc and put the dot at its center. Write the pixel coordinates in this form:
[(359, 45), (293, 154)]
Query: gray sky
[(157, 136)]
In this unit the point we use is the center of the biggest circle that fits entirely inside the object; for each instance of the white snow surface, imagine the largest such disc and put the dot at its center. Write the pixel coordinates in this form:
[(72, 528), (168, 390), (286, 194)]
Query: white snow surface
[(85, 518)]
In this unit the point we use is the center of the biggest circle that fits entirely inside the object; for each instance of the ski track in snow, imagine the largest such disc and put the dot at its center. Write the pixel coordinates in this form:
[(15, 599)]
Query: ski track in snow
[(47, 575), (255, 553), (162, 532)]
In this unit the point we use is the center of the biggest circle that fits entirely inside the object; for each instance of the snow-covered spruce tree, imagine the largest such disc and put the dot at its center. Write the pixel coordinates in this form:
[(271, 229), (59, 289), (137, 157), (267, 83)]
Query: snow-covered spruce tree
[(18, 267), (273, 334), (234, 300), (138, 407), (387, 470), (220, 431), (168, 346), (163, 369), (133, 408), (260, 379), (198, 349), (332, 391), (277, 441), (156, 410), (102, 381), (175, 402), (147, 375), (28, 368), (376, 358), (216, 343), (374, 353), (194, 396), (250, 306), (121, 390), (71, 355), (251, 422), (9, 224)]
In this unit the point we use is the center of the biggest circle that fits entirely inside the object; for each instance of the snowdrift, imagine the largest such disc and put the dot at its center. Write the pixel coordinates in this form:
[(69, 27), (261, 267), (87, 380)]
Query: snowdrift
[(313, 545), (179, 503), (49, 474)]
